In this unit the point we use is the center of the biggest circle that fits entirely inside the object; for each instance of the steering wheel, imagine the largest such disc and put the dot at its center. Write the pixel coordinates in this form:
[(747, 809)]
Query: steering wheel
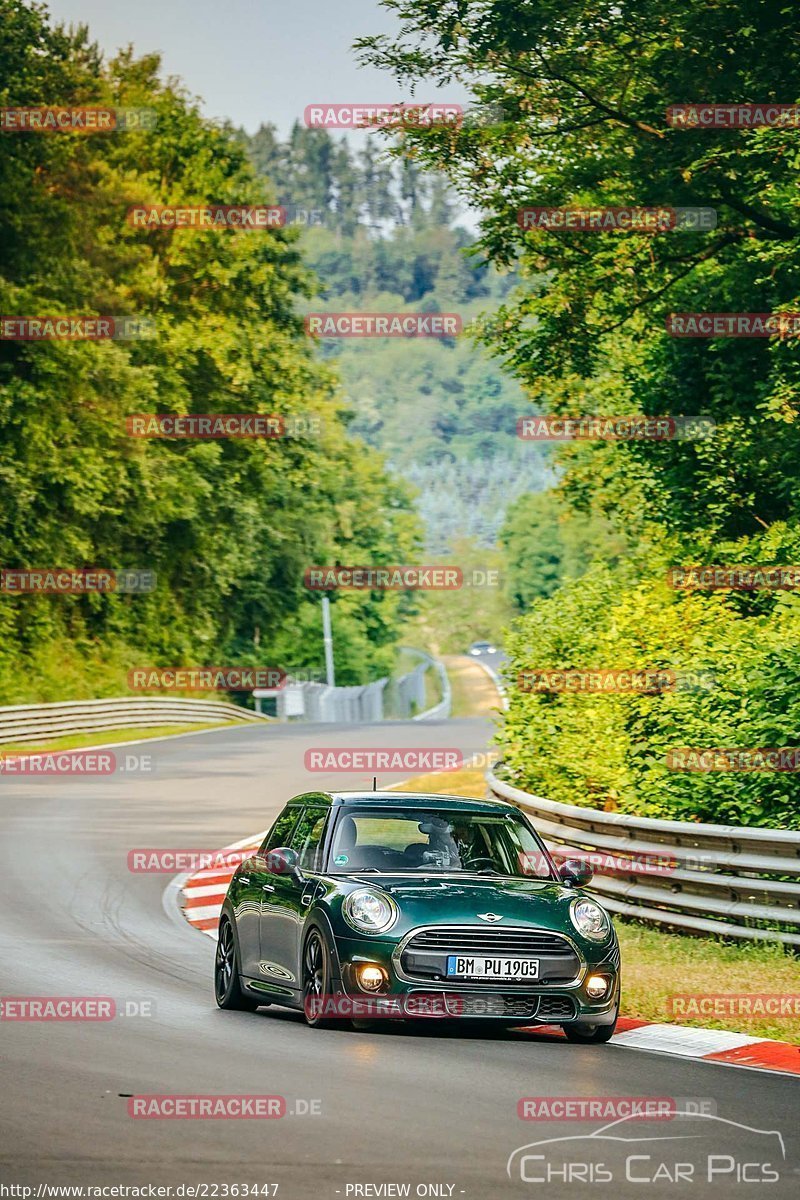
[(486, 859)]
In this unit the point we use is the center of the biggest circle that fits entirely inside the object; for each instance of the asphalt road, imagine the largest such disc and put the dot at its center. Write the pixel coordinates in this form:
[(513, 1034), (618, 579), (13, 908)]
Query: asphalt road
[(397, 1106)]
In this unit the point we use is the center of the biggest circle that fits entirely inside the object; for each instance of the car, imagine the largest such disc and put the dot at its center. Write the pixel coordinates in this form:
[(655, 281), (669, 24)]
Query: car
[(478, 648), (416, 906)]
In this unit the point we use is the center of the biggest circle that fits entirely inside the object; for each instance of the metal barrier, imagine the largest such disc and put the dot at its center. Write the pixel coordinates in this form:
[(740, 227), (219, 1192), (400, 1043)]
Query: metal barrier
[(442, 710), (722, 879), (408, 692), (35, 722), (344, 704), (365, 703)]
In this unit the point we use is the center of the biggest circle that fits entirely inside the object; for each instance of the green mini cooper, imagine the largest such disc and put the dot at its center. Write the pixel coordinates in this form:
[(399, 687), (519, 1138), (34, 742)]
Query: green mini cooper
[(413, 906)]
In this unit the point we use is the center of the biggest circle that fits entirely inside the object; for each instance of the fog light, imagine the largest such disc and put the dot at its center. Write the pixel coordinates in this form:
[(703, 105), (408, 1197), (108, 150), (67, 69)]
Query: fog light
[(597, 986), (370, 977)]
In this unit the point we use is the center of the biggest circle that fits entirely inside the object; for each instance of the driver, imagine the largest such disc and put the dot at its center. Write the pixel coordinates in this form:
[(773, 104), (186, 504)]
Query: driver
[(442, 849)]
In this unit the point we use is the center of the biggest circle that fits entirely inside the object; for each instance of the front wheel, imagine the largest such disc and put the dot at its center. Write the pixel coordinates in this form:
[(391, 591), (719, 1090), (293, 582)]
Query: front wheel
[(582, 1031), (317, 981), (589, 1033), (227, 988)]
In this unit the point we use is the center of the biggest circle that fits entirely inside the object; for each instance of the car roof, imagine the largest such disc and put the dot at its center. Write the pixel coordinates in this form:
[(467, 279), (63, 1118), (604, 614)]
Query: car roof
[(404, 800)]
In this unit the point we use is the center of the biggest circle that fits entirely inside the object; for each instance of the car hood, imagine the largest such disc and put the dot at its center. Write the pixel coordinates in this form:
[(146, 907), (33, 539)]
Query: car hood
[(425, 900)]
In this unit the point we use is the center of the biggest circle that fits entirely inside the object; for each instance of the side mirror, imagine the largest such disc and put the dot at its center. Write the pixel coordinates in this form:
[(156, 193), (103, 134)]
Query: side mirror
[(283, 861), (575, 873)]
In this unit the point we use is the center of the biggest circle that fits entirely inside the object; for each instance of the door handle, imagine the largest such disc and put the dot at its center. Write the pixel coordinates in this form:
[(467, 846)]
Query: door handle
[(306, 899), (267, 887), (244, 879)]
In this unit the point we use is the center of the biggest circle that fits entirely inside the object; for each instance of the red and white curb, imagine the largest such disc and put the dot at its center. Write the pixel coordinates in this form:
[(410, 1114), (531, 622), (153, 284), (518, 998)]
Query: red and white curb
[(202, 894)]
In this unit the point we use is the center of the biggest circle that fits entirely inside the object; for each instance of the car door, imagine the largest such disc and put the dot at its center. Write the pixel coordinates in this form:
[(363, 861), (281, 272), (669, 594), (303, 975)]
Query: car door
[(286, 900), (252, 880)]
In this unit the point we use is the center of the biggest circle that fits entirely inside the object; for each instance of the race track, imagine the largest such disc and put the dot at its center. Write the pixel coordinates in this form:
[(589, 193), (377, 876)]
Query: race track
[(399, 1107)]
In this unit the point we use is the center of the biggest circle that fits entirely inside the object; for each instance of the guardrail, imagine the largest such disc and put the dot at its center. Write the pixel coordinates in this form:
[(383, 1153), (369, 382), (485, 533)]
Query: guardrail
[(440, 711), (35, 722), (721, 879)]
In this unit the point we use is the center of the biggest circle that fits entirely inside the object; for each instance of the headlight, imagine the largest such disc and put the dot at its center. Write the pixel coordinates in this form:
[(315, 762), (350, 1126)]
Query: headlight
[(590, 920), (369, 912)]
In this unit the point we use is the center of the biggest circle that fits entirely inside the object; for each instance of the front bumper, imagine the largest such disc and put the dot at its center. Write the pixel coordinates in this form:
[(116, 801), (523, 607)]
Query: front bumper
[(542, 1002)]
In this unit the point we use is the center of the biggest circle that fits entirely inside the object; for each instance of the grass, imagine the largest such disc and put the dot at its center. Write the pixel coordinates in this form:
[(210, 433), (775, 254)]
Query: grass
[(106, 737), (658, 964), (474, 694)]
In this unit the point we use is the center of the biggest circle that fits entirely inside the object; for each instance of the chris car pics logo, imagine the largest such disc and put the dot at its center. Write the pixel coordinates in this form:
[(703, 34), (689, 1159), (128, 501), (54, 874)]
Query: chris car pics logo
[(698, 1148)]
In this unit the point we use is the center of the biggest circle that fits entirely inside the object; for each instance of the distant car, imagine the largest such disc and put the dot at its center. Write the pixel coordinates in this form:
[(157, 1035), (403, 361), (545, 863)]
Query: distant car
[(424, 906), (478, 648)]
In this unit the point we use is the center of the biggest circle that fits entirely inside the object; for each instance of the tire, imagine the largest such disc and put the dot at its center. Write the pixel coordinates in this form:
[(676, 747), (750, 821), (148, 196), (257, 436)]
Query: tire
[(582, 1031), (317, 980), (585, 1033), (227, 988)]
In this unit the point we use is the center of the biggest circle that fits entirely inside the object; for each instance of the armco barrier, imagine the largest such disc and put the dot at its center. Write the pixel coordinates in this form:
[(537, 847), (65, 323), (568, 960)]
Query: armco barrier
[(442, 710), (723, 879), (34, 722)]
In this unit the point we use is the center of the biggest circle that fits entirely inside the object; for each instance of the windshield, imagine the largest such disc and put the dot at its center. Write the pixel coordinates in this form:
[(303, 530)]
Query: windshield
[(432, 842)]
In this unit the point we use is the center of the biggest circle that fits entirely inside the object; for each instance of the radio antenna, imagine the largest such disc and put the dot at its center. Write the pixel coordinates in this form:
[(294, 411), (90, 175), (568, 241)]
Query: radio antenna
[(374, 783)]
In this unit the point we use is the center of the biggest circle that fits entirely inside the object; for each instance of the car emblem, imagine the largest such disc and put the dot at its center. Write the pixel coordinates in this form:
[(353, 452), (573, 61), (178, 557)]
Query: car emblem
[(489, 917)]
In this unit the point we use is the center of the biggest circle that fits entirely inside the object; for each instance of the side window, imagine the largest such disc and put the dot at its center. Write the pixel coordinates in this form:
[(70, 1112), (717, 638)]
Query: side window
[(281, 831), (308, 836)]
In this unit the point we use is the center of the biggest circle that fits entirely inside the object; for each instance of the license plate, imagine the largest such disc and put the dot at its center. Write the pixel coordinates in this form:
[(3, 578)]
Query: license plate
[(471, 967)]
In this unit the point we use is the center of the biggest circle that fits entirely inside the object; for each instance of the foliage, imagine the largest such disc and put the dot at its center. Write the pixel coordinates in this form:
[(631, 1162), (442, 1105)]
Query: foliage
[(547, 543), (381, 237), (448, 620), (608, 750), (228, 526), (577, 93)]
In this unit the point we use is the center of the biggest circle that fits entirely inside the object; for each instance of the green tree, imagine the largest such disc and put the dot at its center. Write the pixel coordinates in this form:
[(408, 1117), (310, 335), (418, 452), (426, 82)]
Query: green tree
[(227, 526)]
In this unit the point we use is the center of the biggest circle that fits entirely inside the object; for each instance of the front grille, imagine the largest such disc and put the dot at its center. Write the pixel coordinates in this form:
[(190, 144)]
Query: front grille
[(491, 1004), (536, 942), (425, 954), (556, 1008)]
